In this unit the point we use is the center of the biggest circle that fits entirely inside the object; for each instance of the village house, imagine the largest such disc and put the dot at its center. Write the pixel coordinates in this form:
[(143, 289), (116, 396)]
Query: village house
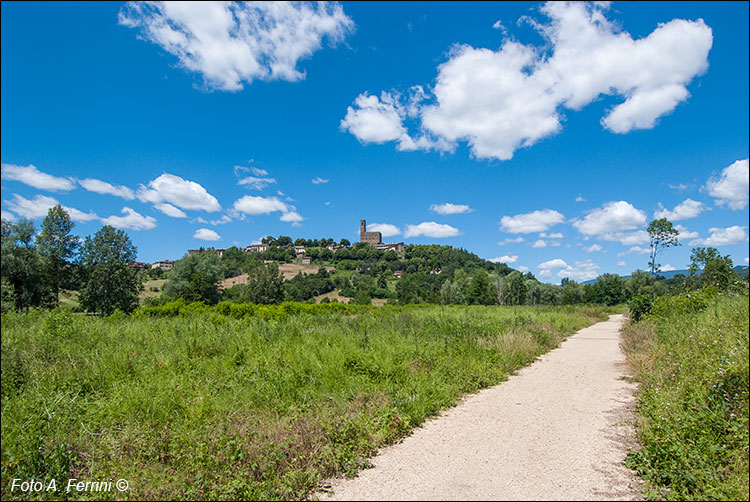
[(299, 250), (164, 264), (256, 248), (398, 247), (334, 247)]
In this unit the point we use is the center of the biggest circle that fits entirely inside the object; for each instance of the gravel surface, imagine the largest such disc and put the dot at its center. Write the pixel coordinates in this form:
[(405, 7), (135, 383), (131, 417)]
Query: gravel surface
[(557, 430)]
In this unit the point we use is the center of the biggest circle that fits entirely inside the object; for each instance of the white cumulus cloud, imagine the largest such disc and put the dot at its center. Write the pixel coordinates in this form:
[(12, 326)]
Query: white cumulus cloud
[(259, 205), (593, 248), (634, 249), (38, 206), (449, 208), (178, 192), (318, 180), (536, 221), (206, 234), (539, 244), (170, 210), (611, 218), (231, 43), (685, 233), (627, 238), (581, 271), (431, 229), (504, 259), (32, 176), (723, 237), (517, 240), (102, 187), (386, 229), (685, 210), (501, 100), (553, 264), (131, 221), (731, 187)]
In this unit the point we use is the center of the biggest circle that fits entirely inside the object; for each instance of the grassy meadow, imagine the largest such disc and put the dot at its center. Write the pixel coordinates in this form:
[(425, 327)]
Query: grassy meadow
[(244, 402), (690, 357)]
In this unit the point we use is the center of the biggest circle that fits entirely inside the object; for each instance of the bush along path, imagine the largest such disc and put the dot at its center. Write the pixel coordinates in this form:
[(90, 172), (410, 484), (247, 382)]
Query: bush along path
[(557, 430)]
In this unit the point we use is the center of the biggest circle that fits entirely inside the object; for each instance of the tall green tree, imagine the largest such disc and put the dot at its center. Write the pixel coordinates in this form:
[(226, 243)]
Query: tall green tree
[(662, 235), (480, 290), (110, 282), (714, 270), (57, 246), (21, 266), (514, 289), (265, 284), (195, 278)]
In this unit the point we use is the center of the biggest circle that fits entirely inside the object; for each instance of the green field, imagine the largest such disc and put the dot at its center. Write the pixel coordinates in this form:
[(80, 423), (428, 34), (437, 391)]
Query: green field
[(691, 359), (250, 403)]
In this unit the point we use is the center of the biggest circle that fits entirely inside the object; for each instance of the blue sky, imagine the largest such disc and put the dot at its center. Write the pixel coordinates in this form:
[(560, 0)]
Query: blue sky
[(543, 136)]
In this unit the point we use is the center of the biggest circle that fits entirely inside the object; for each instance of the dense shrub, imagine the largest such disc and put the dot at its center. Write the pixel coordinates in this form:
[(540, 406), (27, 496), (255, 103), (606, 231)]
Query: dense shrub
[(640, 306)]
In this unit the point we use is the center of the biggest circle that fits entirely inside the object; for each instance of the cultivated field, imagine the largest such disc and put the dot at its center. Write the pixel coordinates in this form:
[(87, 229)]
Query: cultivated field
[(248, 402), (288, 270)]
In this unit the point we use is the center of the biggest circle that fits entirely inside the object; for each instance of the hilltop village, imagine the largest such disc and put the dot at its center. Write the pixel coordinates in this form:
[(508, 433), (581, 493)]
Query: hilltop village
[(373, 239)]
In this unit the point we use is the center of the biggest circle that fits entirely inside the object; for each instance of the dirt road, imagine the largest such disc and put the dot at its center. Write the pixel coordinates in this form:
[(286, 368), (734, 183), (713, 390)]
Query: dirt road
[(558, 430)]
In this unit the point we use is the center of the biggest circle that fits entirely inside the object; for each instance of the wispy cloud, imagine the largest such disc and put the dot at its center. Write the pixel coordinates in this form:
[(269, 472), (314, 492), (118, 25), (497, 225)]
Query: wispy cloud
[(232, 43), (38, 206), (32, 176), (102, 187), (256, 183)]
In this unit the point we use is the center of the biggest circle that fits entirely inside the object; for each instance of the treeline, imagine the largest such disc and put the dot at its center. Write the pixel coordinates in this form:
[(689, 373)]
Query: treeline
[(424, 274), (36, 267)]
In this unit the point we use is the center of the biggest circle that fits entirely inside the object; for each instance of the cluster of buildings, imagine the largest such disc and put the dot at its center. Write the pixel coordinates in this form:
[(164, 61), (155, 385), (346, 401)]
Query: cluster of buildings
[(374, 239)]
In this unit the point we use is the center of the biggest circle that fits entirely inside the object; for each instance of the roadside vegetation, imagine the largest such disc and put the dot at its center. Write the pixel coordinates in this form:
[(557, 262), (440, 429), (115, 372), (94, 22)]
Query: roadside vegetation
[(241, 401), (690, 355)]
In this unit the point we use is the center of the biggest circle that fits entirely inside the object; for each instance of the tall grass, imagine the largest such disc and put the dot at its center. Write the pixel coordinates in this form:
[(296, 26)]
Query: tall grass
[(204, 405), (691, 359)]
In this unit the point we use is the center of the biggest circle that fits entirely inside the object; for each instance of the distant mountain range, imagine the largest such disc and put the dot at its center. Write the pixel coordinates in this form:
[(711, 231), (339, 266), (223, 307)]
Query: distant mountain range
[(741, 270)]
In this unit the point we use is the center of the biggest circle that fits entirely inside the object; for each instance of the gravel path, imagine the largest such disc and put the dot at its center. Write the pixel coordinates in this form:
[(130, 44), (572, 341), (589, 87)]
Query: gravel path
[(557, 430)]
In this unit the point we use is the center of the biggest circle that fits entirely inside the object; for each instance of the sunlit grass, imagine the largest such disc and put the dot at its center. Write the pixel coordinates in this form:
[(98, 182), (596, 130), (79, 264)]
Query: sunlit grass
[(693, 402), (205, 405)]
